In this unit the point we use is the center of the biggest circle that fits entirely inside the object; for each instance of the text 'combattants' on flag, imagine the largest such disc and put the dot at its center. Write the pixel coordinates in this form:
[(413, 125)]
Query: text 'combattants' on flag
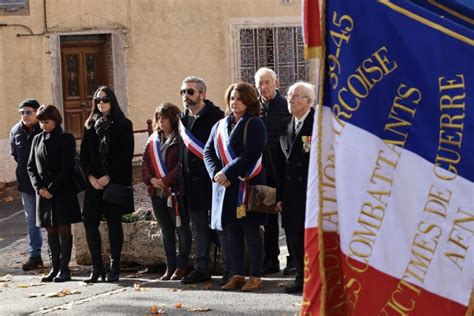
[(390, 203)]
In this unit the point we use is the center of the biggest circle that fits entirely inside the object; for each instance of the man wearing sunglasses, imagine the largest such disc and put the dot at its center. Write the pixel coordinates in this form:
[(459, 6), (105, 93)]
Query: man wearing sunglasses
[(196, 123), (21, 137)]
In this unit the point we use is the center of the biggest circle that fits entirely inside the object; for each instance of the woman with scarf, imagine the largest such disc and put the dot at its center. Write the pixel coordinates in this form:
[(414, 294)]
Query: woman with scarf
[(106, 156), (232, 153), (160, 174), (50, 167)]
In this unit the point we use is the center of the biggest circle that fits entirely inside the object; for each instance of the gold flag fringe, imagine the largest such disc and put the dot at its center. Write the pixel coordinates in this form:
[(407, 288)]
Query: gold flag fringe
[(322, 52)]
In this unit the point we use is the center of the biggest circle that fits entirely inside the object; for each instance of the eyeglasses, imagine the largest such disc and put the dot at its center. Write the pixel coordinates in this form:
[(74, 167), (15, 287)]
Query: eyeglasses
[(103, 99), (295, 96), (189, 91), (25, 112)]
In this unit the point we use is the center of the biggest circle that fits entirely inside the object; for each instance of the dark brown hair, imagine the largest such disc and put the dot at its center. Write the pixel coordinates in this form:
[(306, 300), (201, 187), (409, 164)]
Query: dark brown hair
[(49, 112), (248, 96), (168, 110)]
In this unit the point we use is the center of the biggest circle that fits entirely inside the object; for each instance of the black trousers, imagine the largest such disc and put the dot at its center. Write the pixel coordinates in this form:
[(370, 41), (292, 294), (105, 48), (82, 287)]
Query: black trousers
[(295, 239), (94, 241), (271, 239)]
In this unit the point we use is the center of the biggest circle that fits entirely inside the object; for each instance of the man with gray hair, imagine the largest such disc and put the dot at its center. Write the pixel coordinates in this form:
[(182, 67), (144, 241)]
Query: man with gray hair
[(273, 109), (293, 161), (195, 125)]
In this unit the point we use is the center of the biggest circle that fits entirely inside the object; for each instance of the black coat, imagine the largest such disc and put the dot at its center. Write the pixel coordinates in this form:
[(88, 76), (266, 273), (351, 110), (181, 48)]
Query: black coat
[(50, 166), (20, 145), (293, 163), (194, 181), (224, 200), (272, 114), (119, 165)]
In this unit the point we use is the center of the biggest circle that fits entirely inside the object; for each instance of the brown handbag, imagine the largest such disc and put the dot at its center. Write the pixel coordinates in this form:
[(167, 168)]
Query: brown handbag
[(260, 198)]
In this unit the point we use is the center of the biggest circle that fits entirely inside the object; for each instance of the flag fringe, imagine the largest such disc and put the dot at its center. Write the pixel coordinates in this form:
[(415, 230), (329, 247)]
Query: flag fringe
[(470, 307), (312, 52), (319, 112)]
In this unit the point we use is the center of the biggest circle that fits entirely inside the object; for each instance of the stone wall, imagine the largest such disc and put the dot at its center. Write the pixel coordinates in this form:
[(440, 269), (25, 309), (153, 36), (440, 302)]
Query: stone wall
[(142, 244)]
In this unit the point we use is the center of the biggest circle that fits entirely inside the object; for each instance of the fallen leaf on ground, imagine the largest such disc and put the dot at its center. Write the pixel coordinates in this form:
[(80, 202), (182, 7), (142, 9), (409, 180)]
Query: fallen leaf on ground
[(31, 295), (282, 284), (207, 286), (199, 309), (6, 278), (193, 286), (137, 287), (22, 286), (176, 290), (8, 199), (5, 284), (178, 305), (62, 293)]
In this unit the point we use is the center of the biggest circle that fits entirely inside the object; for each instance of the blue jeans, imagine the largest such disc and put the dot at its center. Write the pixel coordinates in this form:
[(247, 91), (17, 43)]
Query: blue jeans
[(34, 232), (167, 220), (201, 235)]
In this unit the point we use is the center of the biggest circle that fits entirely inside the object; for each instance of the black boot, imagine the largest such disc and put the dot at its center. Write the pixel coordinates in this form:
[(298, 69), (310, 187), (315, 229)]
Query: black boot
[(97, 271), (66, 248), (95, 249), (114, 274), (54, 256)]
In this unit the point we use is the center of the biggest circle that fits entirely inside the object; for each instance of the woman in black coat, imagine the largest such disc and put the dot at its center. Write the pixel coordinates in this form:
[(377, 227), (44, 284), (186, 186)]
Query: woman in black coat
[(50, 167), (227, 173), (106, 156)]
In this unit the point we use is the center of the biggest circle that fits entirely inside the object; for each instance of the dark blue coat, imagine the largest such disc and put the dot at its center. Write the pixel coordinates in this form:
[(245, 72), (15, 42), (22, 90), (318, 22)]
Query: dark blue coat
[(272, 114), (20, 146), (224, 200)]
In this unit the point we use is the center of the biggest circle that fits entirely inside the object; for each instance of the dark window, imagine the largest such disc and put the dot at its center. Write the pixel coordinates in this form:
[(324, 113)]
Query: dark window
[(278, 48)]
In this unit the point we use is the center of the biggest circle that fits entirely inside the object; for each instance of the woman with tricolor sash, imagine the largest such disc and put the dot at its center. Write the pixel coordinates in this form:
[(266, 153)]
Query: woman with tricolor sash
[(230, 159), (160, 174)]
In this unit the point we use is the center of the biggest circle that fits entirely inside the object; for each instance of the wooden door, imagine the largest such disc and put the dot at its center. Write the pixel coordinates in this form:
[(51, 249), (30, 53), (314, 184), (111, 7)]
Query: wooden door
[(83, 71)]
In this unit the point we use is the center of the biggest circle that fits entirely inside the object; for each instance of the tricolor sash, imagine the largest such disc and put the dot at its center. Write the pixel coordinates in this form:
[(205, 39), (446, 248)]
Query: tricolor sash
[(156, 157), (193, 144), (226, 155)]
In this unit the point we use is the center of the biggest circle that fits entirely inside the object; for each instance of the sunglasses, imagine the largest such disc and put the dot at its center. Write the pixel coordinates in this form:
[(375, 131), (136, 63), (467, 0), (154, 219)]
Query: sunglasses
[(25, 112), (189, 91), (103, 99)]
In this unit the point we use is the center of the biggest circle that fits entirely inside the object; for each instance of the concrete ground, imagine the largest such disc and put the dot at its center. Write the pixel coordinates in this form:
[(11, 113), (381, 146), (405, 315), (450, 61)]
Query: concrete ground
[(138, 293)]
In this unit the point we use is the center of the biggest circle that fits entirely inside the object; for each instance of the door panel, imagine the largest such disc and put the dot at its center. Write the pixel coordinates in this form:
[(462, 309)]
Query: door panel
[(83, 71)]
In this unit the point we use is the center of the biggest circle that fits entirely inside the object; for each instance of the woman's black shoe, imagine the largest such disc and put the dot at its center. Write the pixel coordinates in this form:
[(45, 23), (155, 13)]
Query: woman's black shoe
[(63, 276), (114, 274), (51, 275), (95, 274)]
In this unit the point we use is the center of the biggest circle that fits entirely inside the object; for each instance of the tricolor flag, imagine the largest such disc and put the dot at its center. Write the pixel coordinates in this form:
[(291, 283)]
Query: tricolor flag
[(390, 203)]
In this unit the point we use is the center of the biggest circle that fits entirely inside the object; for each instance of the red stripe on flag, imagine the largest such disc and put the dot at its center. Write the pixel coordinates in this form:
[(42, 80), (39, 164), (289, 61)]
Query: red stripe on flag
[(311, 27)]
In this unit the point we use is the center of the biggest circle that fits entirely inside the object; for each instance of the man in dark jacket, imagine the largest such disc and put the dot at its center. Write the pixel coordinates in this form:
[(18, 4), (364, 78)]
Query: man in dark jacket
[(196, 122), (293, 162), (273, 110), (21, 137)]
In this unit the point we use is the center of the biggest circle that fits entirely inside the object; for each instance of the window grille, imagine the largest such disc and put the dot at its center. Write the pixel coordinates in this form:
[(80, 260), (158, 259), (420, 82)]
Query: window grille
[(278, 48)]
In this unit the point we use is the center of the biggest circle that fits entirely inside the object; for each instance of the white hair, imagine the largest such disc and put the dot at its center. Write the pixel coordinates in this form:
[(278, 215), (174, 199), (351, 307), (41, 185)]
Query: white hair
[(309, 88), (265, 70)]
